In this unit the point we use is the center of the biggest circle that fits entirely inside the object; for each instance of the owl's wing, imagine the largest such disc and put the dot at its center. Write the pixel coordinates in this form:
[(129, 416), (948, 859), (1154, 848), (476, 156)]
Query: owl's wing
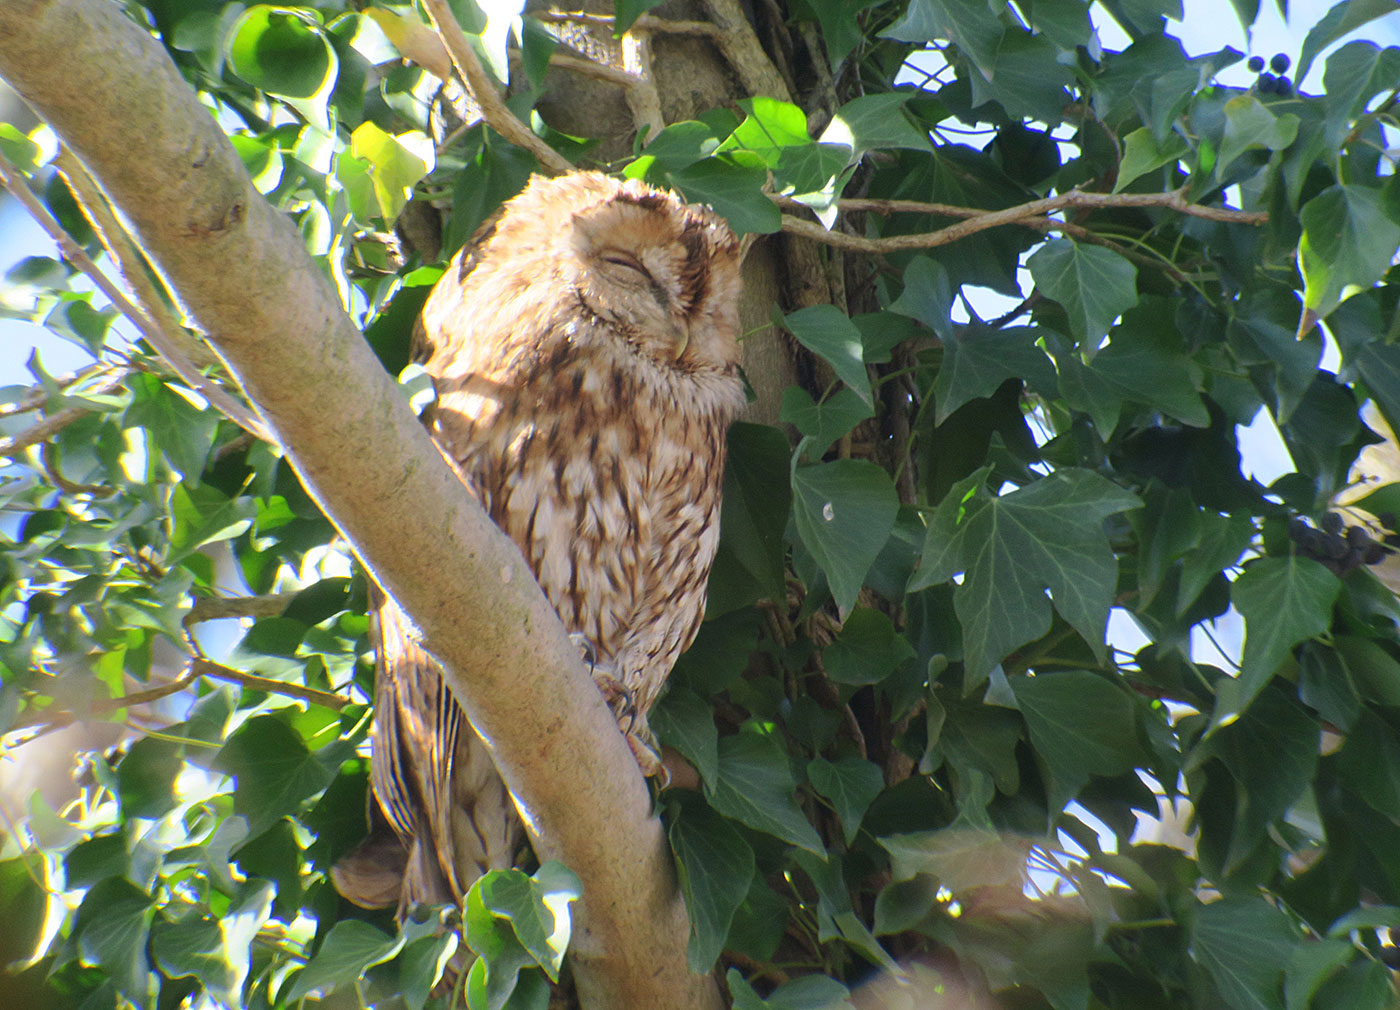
[(433, 776)]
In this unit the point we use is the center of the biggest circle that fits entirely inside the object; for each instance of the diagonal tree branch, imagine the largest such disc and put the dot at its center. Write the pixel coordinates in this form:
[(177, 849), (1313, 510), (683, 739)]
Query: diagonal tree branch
[(240, 268)]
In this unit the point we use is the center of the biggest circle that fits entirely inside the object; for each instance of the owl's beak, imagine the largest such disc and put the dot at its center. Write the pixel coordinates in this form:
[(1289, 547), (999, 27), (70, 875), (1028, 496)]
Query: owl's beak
[(680, 337)]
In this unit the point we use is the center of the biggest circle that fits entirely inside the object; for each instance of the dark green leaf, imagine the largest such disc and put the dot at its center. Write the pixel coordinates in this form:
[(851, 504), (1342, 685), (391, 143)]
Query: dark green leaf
[(1244, 944), (976, 362), (823, 422), (851, 784), (1350, 235), (112, 927), (716, 868), (217, 953), (965, 23), (867, 650), (273, 768), (1047, 535), (844, 513), (755, 786), (828, 332), (749, 564), (927, 296), (1095, 285), (349, 949), (1283, 601), (179, 429), (1081, 724), (734, 189)]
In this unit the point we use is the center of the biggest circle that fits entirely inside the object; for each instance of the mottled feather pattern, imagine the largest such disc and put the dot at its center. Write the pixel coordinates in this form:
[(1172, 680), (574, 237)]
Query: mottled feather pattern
[(584, 352)]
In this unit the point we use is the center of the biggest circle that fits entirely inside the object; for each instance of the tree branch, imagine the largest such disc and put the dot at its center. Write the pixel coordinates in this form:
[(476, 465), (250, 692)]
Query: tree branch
[(980, 220), (240, 268), (483, 89)]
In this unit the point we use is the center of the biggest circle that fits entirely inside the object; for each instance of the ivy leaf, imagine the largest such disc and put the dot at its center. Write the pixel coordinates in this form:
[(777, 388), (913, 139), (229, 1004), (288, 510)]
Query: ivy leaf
[(1248, 124), (734, 188), (537, 908), (351, 946), (1244, 944), (1046, 535), (684, 720), (965, 23), (716, 868), (844, 512), (1095, 285), (112, 927), (217, 952), (976, 362), (872, 122), (1341, 20), (823, 422), (273, 768), (626, 13), (1350, 235), (810, 992), (1283, 601), (1081, 725), (1142, 153), (829, 333), (867, 650), (927, 296), (396, 163), (749, 564), (755, 787), (278, 50), (851, 784), (183, 432)]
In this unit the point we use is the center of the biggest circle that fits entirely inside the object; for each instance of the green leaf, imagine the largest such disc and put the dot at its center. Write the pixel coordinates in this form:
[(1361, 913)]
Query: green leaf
[(1047, 535), (498, 172), (1343, 19), (965, 23), (851, 784), (396, 164), (716, 868), (963, 859), (18, 148), (823, 422), (112, 927), (1027, 78), (537, 908), (501, 958), (217, 952), (927, 297), (755, 786), (1244, 944), (1142, 153), (1311, 965), (1081, 724), (1249, 124), (734, 188), (770, 127), (873, 122), (829, 333), (976, 362), (1095, 285), (1370, 762), (844, 512), (273, 768), (349, 949), (1284, 601), (282, 51), (685, 721), (810, 992), (147, 777), (1355, 73), (750, 562), (626, 13), (1350, 235), (183, 432), (867, 650)]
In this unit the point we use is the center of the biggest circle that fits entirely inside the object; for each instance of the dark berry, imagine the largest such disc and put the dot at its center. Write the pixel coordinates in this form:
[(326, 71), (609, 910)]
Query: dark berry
[(1335, 547), (1298, 529), (1256, 63), (1282, 88), (1331, 522), (1375, 554), (1280, 63), (1387, 519), (1265, 84), (1357, 536)]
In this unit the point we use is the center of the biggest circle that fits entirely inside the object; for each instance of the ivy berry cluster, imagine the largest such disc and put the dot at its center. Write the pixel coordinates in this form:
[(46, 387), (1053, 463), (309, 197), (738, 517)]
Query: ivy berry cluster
[(1274, 81), (1338, 546)]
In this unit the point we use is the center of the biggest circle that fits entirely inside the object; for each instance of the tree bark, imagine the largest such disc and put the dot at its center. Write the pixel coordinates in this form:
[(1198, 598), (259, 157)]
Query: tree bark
[(114, 98)]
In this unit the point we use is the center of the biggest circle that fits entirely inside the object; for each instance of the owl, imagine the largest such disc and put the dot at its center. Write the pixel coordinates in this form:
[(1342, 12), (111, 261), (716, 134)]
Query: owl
[(584, 352)]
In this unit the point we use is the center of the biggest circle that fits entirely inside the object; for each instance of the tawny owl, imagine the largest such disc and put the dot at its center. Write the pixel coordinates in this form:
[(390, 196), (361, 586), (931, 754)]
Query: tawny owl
[(583, 349)]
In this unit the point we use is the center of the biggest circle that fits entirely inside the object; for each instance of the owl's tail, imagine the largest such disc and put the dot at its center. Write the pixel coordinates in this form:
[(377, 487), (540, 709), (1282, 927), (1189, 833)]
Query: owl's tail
[(447, 817)]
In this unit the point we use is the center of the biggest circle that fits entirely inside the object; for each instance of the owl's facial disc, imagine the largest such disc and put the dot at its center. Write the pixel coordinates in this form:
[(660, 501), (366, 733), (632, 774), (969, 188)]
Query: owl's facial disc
[(632, 293)]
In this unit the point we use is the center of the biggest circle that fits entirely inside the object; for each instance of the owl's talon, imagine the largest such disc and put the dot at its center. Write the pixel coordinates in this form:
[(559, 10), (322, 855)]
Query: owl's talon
[(585, 647)]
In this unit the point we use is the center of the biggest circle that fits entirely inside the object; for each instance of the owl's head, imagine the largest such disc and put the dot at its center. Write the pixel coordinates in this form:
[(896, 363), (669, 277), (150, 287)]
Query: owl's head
[(663, 275)]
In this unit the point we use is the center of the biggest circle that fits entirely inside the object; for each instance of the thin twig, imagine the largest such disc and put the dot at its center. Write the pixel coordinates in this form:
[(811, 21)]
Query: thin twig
[(51, 425), (483, 90), (218, 397), (217, 671), (218, 608), (130, 262), (978, 220), (55, 475)]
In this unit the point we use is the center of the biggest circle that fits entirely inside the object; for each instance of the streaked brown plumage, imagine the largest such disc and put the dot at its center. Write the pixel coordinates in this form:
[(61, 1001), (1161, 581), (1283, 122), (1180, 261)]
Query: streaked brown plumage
[(584, 352)]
